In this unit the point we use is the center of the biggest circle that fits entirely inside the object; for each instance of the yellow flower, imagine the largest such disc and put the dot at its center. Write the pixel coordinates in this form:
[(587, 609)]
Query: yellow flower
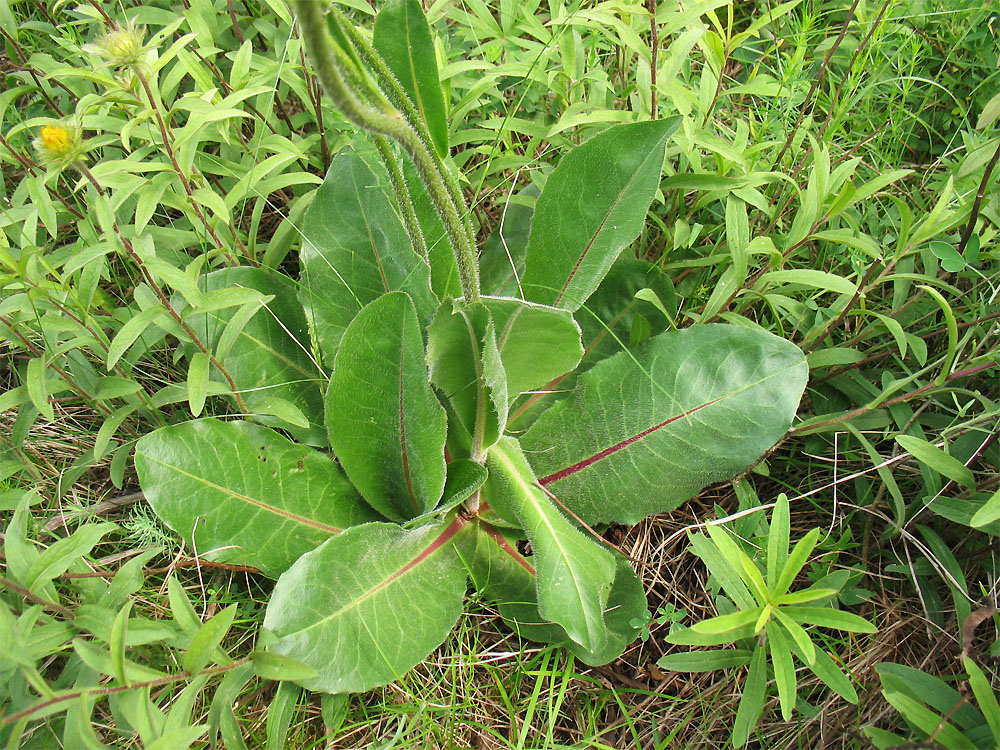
[(59, 145), (56, 140)]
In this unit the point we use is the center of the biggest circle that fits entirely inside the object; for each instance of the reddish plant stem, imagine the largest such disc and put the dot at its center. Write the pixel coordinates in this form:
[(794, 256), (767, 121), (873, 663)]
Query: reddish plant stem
[(32, 597), (168, 147), (161, 295)]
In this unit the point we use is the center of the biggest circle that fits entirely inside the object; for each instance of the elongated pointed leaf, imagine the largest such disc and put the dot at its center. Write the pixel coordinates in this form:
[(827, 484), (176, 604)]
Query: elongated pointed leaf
[(465, 365), (704, 661), (368, 605), (536, 343), (245, 493), (641, 435), (593, 205), (386, 425), (403, 38), (355, 249), (502, 575), (269, 357), (752, 700), (784, 670), (574, 573)]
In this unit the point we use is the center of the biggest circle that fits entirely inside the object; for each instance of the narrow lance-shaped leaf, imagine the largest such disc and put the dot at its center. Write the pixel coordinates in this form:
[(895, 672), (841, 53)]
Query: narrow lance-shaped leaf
[(593, 205), (403, 38), (642, 433), (242, 493), (368, 605), (574, 574), (386, 425), (355, 249)]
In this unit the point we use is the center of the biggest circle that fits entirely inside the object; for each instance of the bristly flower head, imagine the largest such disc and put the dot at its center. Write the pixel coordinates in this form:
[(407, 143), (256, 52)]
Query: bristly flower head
[(59, 145), (121, 47)]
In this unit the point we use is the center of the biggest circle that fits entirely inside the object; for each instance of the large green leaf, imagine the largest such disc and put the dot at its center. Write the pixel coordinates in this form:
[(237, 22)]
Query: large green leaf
[(643, 433), (465, 365), (386, 425), (574, 573), (403, 38), (368, 605), (269, 358), (611, 319), (536, 343), (593, 205), (503, 576), (246, 494), (356, 249)]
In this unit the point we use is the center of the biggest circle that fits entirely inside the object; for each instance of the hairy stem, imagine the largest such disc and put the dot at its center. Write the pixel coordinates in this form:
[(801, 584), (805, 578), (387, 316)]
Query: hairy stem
[(398, 181), (330, 63)]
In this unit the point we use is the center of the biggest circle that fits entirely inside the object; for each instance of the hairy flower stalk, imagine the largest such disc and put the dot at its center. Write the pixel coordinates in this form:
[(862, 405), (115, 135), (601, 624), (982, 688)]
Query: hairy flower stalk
[(333, 70)]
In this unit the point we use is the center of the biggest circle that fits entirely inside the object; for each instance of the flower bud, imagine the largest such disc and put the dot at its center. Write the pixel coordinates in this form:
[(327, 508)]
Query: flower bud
[(122, 47)]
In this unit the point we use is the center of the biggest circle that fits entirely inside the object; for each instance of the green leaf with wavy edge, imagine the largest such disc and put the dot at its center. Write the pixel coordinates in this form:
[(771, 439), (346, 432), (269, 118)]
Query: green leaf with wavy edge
[(385, 423), (268, 357), (249, 495), (370, 604), (593, 205), (575, 574), (642, 433), (403, 38), (356, 249)]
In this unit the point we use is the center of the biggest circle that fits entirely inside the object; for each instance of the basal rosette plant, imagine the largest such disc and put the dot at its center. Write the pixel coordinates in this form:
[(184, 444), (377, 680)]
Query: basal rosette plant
[(405, 431)]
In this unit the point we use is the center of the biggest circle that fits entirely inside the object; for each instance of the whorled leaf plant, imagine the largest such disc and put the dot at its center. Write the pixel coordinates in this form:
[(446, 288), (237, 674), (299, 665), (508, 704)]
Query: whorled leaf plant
[(375, 526)]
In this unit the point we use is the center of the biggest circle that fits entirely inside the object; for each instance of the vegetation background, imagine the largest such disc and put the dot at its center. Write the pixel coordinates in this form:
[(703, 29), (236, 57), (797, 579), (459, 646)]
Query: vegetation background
[(833, 181)]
